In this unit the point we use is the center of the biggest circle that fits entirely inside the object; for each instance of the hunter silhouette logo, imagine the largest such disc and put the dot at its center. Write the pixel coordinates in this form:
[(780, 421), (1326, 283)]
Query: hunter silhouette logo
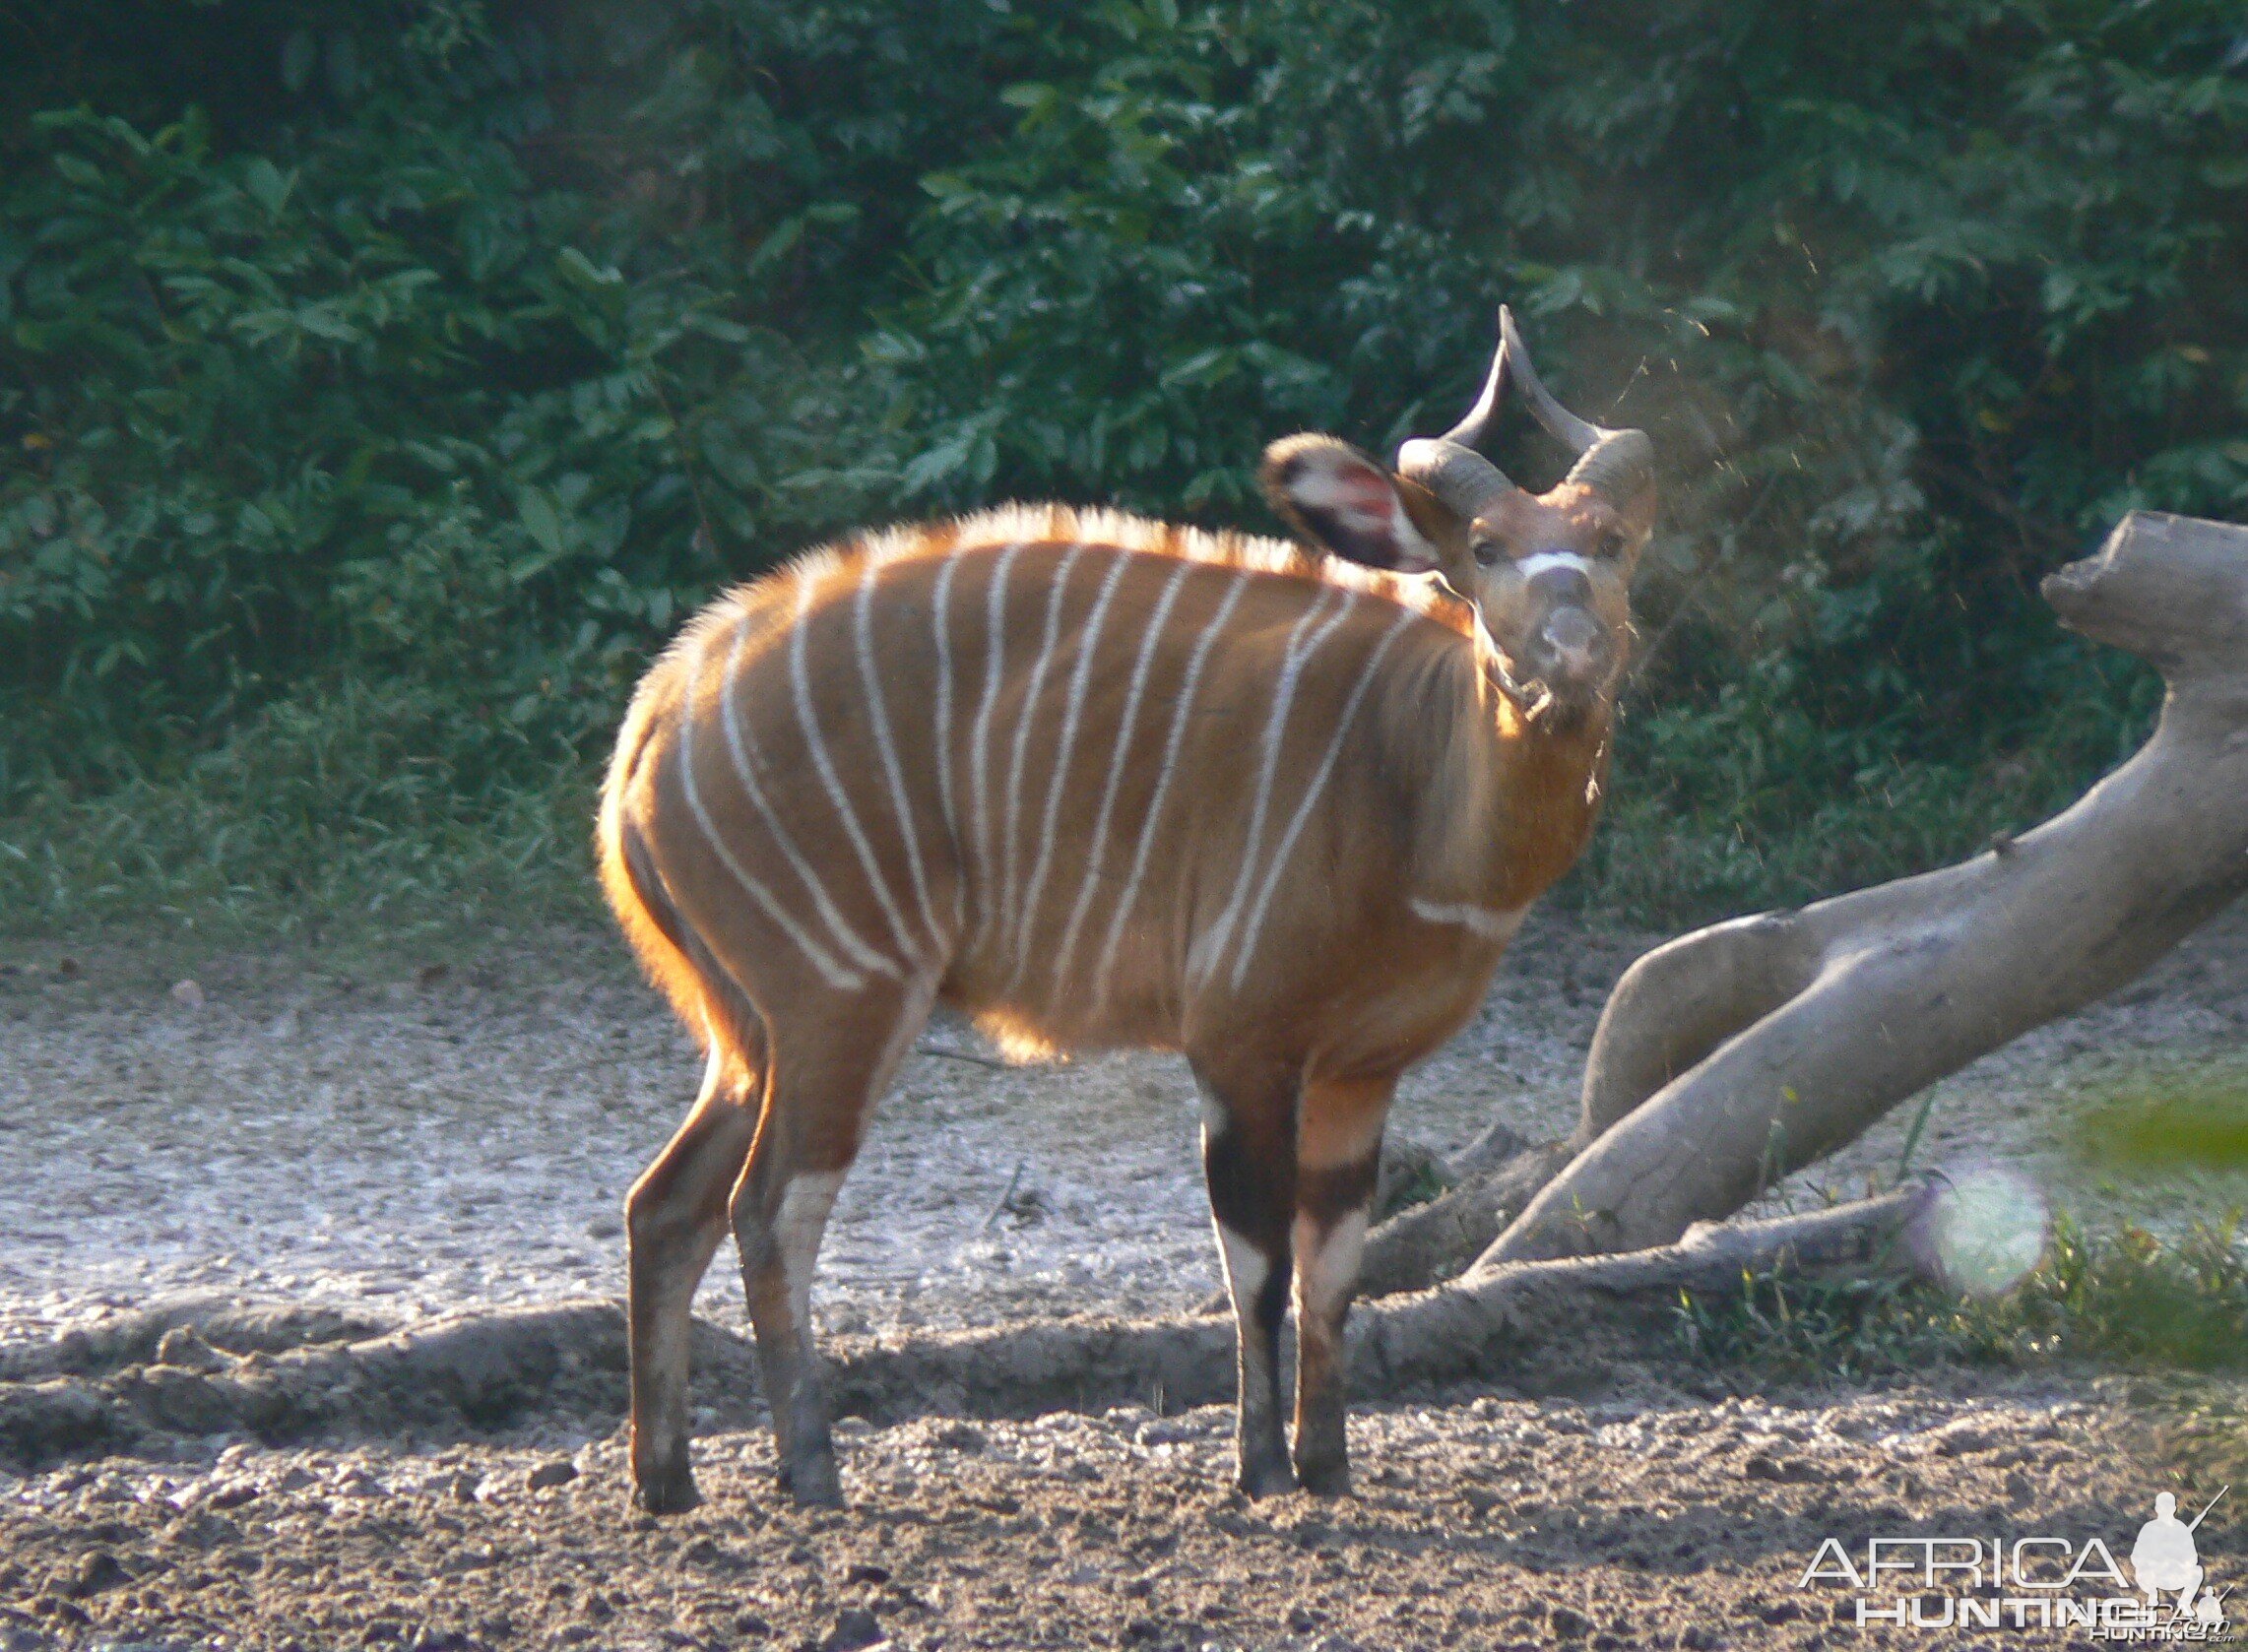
[(2036, 1582), (2164, 1558)]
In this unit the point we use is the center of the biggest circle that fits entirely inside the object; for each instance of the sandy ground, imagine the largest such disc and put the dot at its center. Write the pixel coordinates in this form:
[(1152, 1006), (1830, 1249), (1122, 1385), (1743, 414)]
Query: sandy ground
[(440, 1133), (454, 1132), (1655, 1518)]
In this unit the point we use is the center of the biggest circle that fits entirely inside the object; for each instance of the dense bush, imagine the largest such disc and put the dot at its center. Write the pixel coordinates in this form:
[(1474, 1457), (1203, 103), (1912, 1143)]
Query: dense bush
[(418, 364)]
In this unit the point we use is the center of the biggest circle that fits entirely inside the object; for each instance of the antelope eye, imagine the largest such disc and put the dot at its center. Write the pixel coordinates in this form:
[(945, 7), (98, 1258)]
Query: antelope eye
[(1485, 551), (1612, 542)]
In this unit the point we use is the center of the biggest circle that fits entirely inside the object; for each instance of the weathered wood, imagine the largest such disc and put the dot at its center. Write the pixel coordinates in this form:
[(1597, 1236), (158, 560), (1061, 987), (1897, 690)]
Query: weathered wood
[(1732, 1056), (274, 1374)]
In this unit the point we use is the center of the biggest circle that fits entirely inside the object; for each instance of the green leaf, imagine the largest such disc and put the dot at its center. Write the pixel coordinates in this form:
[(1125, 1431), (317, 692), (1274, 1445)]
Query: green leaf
[(539, 518), (268, 185), (299, 55), (584, 272)]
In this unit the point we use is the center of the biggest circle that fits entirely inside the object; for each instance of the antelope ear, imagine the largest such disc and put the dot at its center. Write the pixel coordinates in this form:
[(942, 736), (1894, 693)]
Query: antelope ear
[(1337, 498)]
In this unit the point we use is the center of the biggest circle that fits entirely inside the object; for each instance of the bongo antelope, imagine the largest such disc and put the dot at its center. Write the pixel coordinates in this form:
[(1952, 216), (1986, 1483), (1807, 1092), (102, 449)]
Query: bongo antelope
[(1102, 782)]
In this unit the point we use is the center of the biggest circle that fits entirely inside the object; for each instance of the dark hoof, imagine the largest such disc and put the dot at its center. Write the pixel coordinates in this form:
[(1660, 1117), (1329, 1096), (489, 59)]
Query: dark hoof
[(1265, 1480), (1331, 1479), (667, 1494), (814, 1484)]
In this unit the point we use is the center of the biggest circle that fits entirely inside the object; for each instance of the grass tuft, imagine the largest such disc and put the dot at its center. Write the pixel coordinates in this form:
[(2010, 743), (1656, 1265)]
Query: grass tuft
[(2121, 1297), (2170, 1121), (357, 805)]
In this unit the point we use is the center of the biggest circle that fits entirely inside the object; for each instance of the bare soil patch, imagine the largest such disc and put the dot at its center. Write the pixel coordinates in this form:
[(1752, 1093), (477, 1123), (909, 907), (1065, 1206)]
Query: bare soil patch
[(1652, 1515), (299, 1156)]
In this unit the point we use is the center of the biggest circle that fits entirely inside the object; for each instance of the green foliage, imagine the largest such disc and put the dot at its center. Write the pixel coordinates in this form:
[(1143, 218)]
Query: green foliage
[(2124, 1297), (367, 359), (2170, 1121), (363, 801)]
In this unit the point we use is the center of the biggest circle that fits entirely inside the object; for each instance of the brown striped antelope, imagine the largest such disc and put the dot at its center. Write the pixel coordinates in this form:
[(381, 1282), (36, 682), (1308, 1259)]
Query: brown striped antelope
[(1101, 782)]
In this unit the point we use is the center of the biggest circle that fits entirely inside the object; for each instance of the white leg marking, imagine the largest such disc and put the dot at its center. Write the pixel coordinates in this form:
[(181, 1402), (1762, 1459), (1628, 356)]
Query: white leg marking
[(940, 622), (980, 743), (746, 760), (1011, 913), (1179, 715), (800, 678), (1312, 792), (797, 1228), (1203, 956), (1246, 1270), (862, 631), (1124, 730), (809, 1197), (1327, 1266), (832, 971), (1490, 924), (1081, 680)]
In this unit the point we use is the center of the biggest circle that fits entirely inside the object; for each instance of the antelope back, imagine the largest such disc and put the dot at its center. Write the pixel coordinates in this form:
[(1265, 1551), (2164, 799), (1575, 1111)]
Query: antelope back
[(1078, 769)]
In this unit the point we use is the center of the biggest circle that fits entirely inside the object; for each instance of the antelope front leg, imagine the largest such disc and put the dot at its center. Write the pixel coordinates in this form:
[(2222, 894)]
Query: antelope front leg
[(1338, 1161), (674, 1219), (1248, 1159)]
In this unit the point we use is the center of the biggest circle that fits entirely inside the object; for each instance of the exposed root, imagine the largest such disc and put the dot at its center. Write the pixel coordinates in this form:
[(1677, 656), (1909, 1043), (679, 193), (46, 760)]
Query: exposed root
[(281, 1374)]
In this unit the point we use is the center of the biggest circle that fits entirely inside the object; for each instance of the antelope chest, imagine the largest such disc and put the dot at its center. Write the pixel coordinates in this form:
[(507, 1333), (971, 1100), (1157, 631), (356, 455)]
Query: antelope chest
[(1427, 976)]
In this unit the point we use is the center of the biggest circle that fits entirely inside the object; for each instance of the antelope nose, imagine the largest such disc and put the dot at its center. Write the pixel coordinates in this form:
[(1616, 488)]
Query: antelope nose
[(1575, 647), (1561, 587)]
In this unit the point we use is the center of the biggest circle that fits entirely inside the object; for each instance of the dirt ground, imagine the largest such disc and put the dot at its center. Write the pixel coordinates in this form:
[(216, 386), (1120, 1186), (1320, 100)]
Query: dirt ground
[(1653, 1518), (244, 1140)]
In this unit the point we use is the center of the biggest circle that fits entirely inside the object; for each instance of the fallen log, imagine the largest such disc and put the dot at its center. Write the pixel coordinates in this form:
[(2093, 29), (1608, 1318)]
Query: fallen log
[(1733, 1056), (472, 1375), (1434, 1241)]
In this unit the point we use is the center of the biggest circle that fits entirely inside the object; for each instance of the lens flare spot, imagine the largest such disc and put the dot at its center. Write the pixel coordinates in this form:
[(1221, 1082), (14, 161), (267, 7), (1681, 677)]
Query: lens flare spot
[(1987, 1230)]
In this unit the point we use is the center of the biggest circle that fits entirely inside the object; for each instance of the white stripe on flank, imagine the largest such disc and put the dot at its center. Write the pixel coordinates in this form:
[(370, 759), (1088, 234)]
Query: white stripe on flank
[(746, 772), (800, 678), (1154, 817), (833, 973), (1484, 923), (1204, 955), (979, 753), (1080, 681), (1311, 795), (862, 632), (1011, 912), (1125, 728), (940, 623)]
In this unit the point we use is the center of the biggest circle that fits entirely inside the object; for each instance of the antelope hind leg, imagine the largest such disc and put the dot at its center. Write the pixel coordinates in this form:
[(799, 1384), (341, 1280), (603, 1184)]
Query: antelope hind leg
[(674, 1219), (815, 1112)]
